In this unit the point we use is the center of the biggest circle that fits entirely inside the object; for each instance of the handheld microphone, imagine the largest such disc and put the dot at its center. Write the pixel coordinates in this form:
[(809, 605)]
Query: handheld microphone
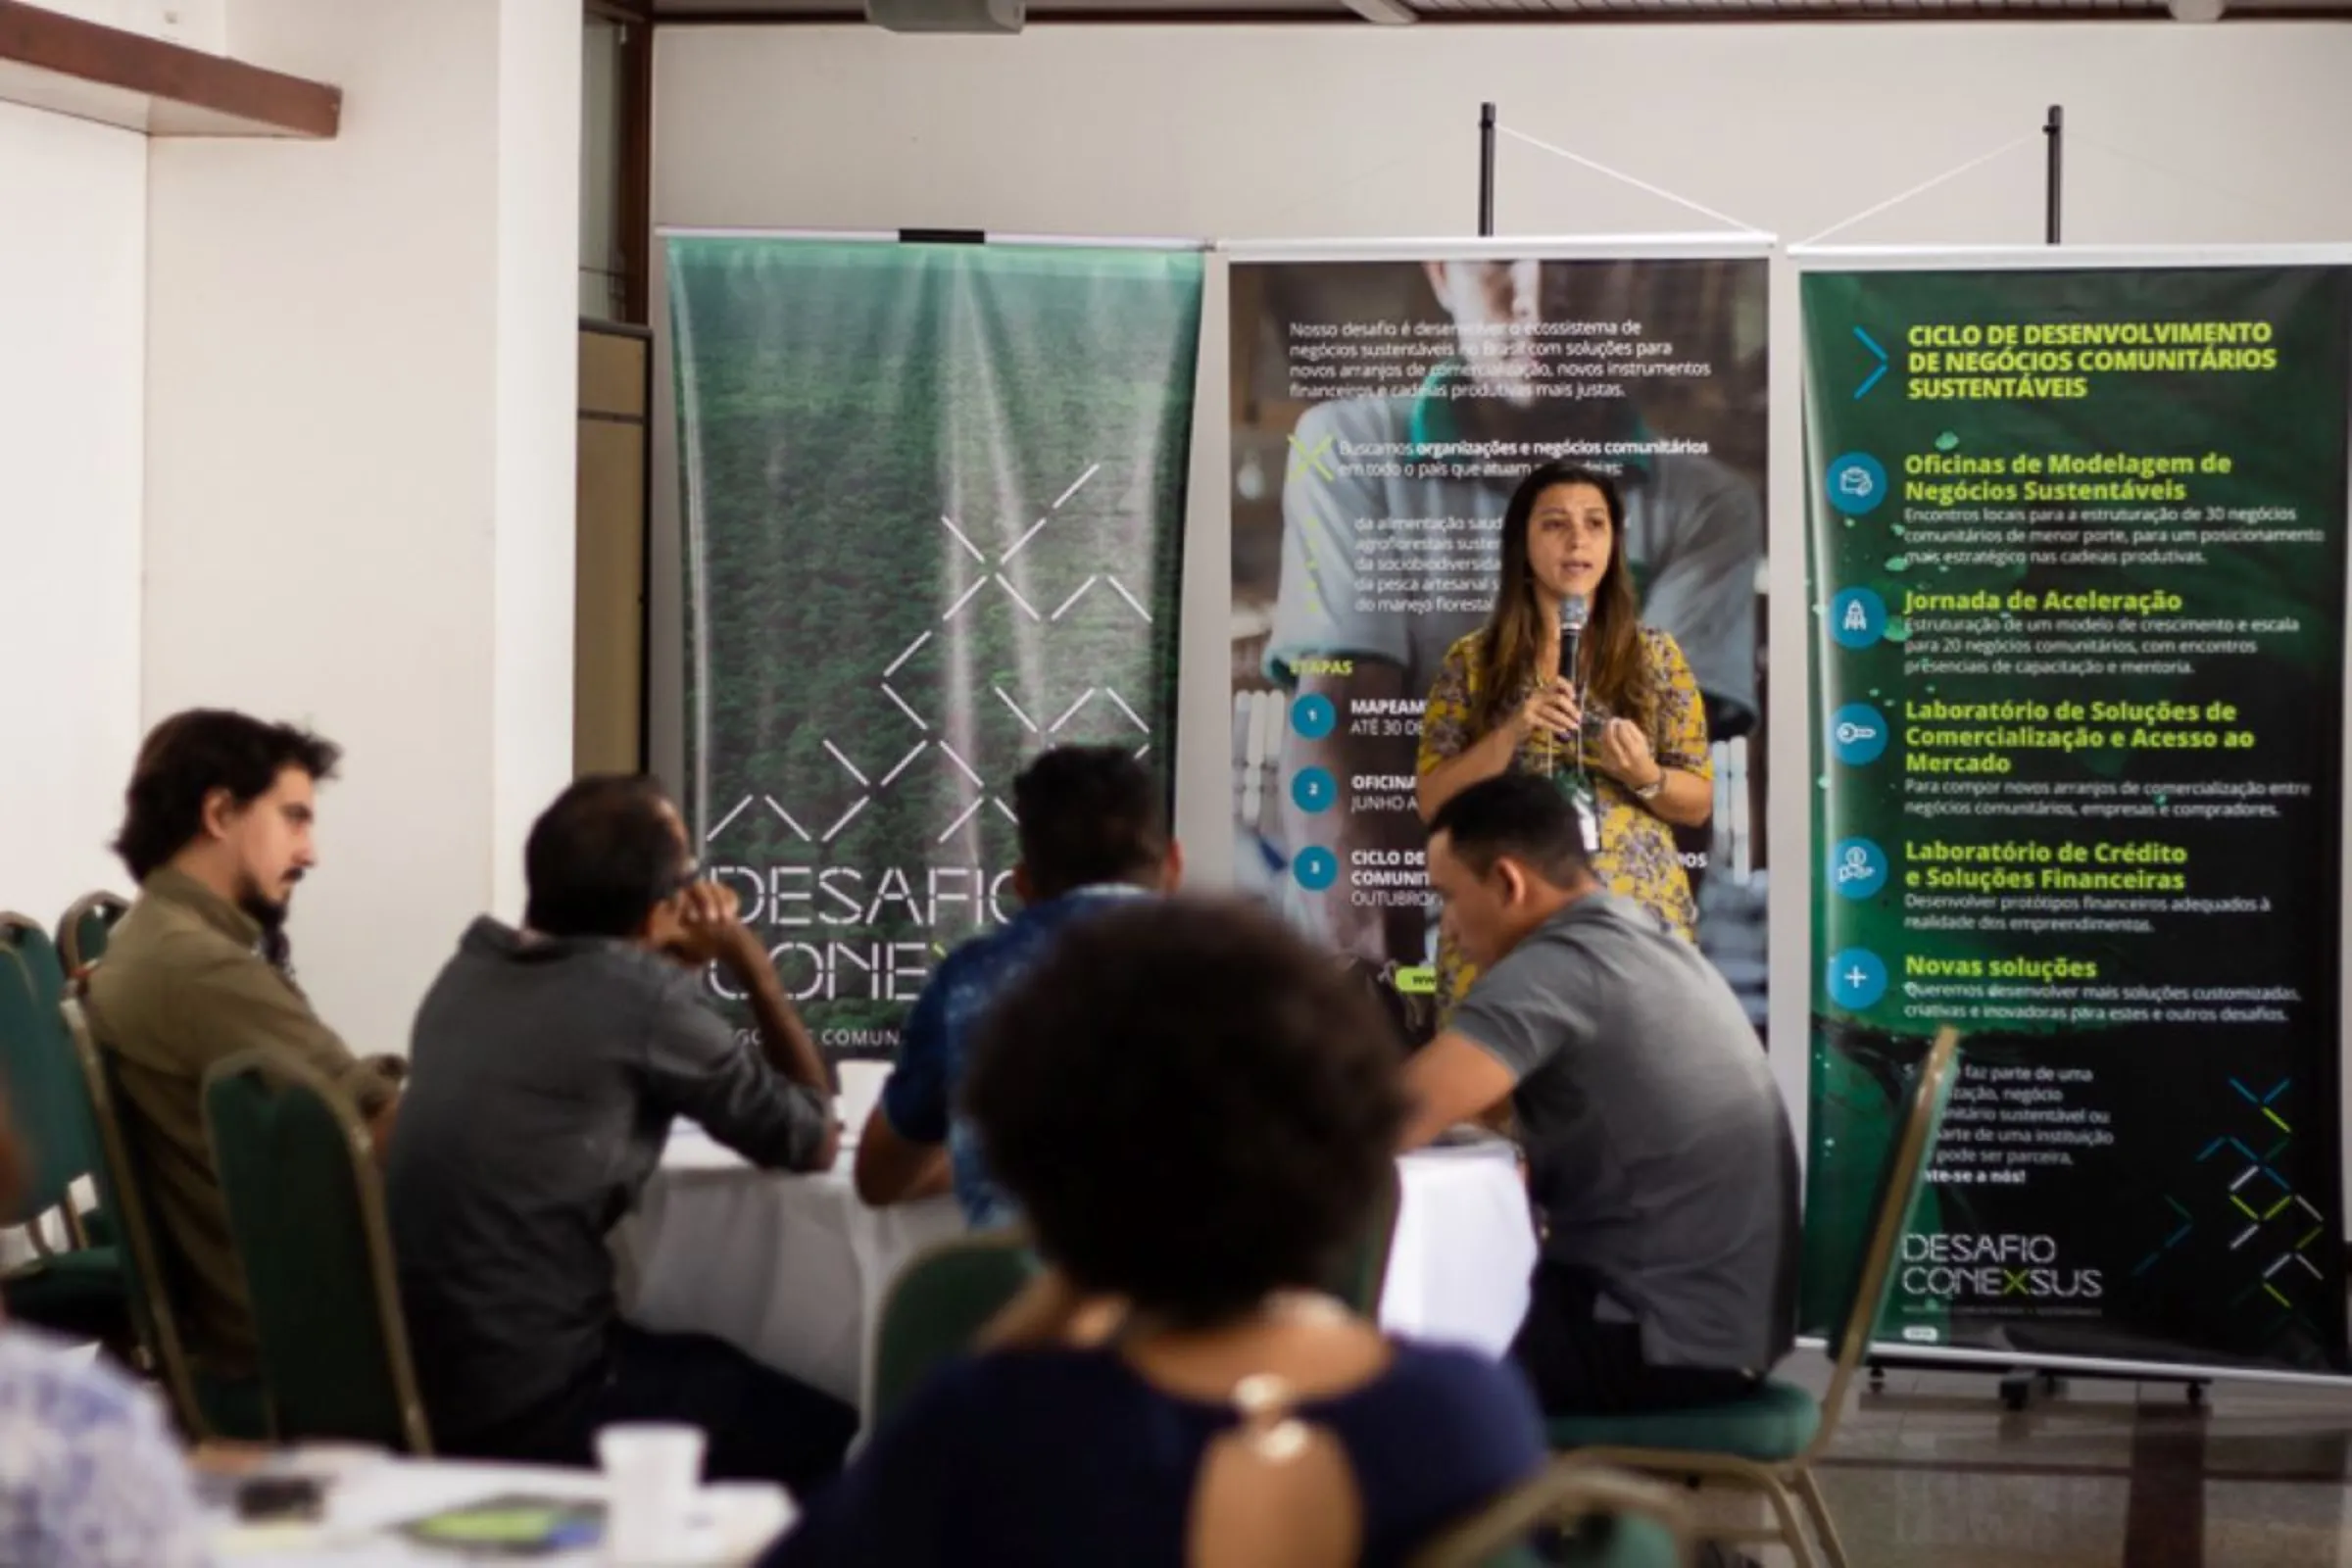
[(1575, 611)]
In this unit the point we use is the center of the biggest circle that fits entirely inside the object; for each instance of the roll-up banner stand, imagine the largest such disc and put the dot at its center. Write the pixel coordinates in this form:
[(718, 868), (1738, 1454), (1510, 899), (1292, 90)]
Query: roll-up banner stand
[(2077, 564), (1388, 397)]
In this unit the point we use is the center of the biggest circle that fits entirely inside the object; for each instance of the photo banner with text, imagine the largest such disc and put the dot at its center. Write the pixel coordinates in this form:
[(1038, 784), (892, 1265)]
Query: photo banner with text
[(934, 503), (1386, 403), (2077, 554)]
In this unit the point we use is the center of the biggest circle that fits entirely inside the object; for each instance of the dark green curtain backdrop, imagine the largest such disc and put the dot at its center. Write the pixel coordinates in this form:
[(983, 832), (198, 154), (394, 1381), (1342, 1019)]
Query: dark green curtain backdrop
[(934, 498)]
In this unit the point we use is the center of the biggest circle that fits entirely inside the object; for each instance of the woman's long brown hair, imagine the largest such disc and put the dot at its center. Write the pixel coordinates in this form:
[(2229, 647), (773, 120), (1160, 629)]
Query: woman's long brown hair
[(1614, 674)]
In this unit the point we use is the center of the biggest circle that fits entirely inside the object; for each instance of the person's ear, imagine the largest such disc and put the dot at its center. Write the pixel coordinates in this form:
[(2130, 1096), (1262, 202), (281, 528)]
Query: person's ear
[(218, 813), (1023, 888), (1514, 882), (658, 919), (1171, 868)]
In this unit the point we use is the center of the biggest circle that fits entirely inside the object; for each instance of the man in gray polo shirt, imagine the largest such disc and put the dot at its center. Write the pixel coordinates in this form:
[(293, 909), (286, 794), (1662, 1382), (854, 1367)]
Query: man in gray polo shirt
[(1659, 1154)]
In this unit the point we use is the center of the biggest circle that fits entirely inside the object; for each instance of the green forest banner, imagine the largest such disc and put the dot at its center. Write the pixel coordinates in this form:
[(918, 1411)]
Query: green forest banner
[(2078, 560), (933, 502)]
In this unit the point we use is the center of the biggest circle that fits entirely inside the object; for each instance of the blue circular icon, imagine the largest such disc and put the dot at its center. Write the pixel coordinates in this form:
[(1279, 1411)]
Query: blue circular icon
[(1857, 484), (1858, 617), (1857, 979), (1314, 789), (1857, 868), (1858, 734), (1313, 717), (1316, 868)]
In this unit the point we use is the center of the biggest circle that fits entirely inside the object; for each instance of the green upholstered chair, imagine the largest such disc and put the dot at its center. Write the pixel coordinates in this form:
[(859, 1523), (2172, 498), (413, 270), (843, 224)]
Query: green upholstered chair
[(82, 930), (936, 1307), (38, 1062), (1363, 1272), (1770, 1442), (78, 1290), (206, 1404), (1573, 1513), (305, 1210)]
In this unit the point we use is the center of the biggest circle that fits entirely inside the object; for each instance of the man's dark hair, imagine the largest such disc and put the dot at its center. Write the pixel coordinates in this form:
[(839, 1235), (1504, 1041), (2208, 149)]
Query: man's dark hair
[(602, 857), (191, 754), (1521, 816), (1089, 815), (1192, 1105)]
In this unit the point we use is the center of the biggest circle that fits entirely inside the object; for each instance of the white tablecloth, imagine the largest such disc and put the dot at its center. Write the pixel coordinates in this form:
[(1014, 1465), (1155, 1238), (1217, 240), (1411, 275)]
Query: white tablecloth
[(791, 1269), (733, 1521)]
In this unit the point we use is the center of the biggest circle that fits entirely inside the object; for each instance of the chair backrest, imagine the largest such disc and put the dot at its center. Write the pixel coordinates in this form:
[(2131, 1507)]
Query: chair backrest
[(936, 1307), (23, 937), (36, 1060), (123, 1192), (1611, 1520), (306, 1208), (1899, 1182), (82, 930), (1363, 1272)]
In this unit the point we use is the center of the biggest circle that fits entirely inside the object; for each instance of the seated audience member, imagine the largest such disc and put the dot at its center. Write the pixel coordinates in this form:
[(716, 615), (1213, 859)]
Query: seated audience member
[(546, 1066), (1195, 1112), (1660, 1153), (1093, 833), (90, 1475), (217, 832)]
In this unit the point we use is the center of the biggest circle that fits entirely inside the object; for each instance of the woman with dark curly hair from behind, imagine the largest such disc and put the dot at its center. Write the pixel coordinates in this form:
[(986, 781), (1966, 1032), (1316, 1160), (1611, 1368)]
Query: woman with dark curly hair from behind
[(1196, 1111)]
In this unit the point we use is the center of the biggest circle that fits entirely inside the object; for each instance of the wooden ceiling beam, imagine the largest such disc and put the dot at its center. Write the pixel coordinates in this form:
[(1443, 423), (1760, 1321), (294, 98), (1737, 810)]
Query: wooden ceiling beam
[(92, 72)]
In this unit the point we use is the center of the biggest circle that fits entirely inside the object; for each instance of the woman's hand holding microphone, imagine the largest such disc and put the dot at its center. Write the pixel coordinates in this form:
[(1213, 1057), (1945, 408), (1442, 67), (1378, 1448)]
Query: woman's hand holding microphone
[(1623, 752), (1551, 711)]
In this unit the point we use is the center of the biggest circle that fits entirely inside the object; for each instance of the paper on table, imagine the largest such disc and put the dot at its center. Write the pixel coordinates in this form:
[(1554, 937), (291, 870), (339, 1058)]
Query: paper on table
[(734, 1521), (860, 1089)]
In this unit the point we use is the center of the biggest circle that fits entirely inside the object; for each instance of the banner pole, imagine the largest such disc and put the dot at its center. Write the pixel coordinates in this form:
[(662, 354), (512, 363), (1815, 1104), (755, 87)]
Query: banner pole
[(1485, 171), (2054, 131)]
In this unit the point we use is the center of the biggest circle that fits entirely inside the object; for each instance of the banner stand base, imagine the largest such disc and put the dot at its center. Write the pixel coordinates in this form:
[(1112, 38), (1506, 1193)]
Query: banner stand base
[(2019, 1384)]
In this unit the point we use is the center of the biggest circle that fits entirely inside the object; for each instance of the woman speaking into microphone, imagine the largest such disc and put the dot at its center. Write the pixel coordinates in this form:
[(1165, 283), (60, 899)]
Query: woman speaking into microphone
[(1624, 726)]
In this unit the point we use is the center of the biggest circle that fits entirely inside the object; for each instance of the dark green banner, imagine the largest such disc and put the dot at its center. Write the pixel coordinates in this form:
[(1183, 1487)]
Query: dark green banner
[(2078, 562), (934, 502)]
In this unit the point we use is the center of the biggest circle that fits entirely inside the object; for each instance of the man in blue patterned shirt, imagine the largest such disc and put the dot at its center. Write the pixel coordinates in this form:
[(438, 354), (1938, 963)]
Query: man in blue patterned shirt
[(1094, 830)]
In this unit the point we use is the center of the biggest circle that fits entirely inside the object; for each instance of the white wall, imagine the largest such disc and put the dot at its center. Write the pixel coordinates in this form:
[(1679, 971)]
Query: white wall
[(72, 304), (360, 458), (1259, 132), (2177, 134), (537, 401), (190, 23)]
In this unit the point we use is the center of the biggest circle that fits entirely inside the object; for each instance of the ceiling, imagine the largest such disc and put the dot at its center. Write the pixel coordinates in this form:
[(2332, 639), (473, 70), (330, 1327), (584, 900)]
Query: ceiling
[(1359, 12)]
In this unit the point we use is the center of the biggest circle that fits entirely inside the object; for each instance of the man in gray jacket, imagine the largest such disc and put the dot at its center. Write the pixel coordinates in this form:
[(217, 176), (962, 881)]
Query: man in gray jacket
[(546, 1064)]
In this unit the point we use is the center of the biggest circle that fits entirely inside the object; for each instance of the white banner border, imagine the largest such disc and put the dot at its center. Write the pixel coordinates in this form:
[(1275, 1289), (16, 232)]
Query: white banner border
[(1511, 248), (2058, 258)]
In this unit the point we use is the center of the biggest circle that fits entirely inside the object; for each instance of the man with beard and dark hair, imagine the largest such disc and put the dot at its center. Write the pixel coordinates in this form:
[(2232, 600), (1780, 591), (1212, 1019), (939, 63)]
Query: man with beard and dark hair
[(217, 832)]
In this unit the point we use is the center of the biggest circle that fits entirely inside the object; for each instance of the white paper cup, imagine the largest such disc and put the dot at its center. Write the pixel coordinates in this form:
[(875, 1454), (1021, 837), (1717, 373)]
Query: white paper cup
[(651, 1473)]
